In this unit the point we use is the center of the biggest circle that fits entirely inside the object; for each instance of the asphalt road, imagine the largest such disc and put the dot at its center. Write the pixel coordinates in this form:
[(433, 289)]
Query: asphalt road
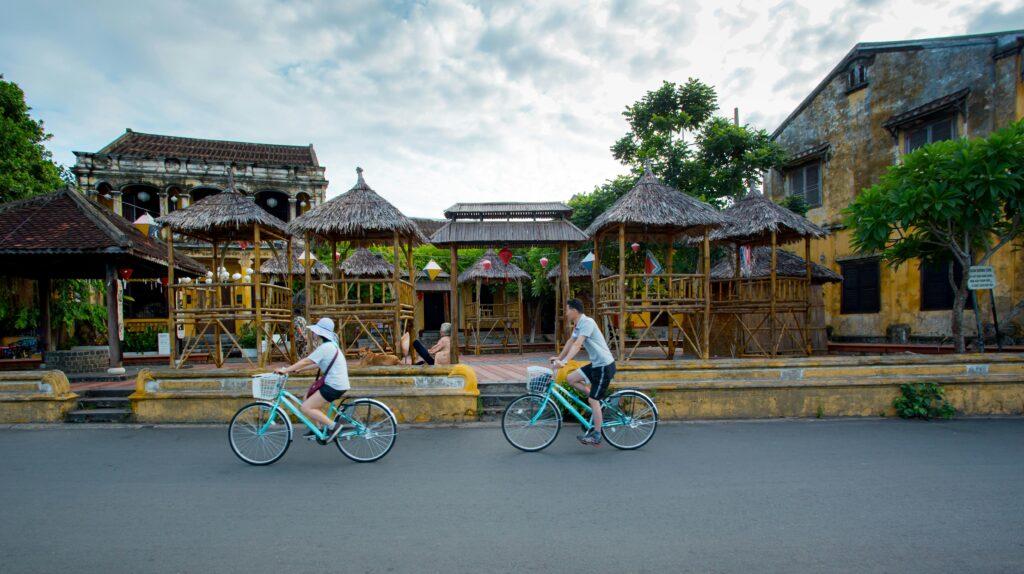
[(793, 496)]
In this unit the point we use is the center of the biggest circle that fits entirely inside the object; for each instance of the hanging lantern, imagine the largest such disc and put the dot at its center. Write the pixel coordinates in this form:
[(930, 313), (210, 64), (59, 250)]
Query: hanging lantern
[(209, 273), (337, 256), (246, 278), (588, 261), (236, 276), (249, 271), (304, 255), (432, 269), (487, 264), (505, 254), (243, 245), (544, 262), (144, 223), (126, 273), (209, 280), (186, 280), (635, 247), (419, 295), (163, 281)]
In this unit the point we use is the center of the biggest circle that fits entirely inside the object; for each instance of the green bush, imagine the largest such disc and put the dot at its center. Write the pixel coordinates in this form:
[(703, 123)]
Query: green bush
[(248, 338), (140, 342), (923, 401)]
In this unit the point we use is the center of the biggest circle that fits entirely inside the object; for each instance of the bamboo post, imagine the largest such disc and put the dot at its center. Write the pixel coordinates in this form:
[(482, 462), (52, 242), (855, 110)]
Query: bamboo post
[(309, 287), (411, 325), (559, 317), (398, 299), (519, 311), (258, 296), (706, 260), (622, 291), (453, 303), (564, 287), (218, 356), (671, 320), (771, 314), (334, 273), (477, 316), (172, 330), (595, 275), (738, 319), (290, 281), (807, 311)]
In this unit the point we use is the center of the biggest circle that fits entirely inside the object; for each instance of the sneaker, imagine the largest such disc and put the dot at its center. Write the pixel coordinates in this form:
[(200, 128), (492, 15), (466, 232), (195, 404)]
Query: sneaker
[(593, 438), (333, 433), (582, 437)]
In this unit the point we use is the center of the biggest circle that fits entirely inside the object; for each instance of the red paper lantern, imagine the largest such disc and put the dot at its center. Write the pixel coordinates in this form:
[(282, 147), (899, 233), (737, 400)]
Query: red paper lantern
[(505, 254), (243, 244), (635, 247), (487, 265), (126, 273), (164, 281), (544, 262), (419, 295)]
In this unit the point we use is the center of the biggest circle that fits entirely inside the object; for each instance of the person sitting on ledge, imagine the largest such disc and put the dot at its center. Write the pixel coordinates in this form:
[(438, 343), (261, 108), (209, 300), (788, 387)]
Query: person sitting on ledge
[(439, 354)]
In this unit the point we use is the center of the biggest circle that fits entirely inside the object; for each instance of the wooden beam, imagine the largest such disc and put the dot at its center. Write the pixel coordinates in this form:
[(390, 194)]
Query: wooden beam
[(172, 328), (218, 356), (807, 311), (290, 282), (45, 294), (563, 288), (309, 287), (397, 294), (706, 260), (771, 314), (595, 276), (477, 316), (112, 328), (671, 331), (261, 360), (622, 291), (453, 303), (519, 288)]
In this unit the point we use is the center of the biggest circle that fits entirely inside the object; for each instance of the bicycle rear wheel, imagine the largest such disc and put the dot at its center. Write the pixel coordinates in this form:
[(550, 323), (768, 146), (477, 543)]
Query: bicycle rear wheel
[(374, 433), (256, 441), (631, 423), (531, 423)]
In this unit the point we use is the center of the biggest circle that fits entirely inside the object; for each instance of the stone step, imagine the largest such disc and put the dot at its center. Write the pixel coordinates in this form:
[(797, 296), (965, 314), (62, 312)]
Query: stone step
[(96, 393), (99, 416), (497, 401), (502, 387), (104, 403)]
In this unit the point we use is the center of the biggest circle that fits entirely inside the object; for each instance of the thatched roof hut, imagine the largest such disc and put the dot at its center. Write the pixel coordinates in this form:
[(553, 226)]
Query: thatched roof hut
[(786, 265), (366, 264), (499, 272), (653, 207), (577, 272), (753, 218), (359, 214), (279, 266), (225, 216)]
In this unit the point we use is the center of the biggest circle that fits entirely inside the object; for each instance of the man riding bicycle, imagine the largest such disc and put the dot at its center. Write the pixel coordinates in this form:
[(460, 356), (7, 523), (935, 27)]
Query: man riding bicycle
[(592, 379)]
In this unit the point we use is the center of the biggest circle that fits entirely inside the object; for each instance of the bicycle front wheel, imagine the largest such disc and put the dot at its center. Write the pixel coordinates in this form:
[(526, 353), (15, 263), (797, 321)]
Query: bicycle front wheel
[(630, 419), (531, 423), (372, 435), (259, 434)]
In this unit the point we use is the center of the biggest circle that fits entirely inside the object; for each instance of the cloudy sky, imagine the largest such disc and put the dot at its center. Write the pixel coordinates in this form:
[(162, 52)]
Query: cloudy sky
[(440, 101)]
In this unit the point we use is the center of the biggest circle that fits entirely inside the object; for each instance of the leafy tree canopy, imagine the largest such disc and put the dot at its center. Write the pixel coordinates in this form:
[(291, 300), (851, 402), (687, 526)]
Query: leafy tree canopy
[(26, 166)]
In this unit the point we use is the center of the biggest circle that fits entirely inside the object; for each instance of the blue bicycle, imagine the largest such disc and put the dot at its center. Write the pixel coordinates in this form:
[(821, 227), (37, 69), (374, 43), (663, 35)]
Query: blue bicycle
[(261, 432), (532, 421)]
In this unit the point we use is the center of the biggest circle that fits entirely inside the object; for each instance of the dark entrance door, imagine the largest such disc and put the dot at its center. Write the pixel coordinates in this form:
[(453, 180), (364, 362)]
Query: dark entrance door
[(433, 311)]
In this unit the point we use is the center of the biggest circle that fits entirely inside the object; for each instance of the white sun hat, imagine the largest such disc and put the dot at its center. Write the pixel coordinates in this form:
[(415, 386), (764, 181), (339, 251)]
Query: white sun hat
[(325, 328)]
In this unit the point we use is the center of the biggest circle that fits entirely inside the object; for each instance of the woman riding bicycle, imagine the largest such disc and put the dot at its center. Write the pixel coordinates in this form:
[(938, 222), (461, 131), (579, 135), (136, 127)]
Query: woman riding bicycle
[(331, 362)]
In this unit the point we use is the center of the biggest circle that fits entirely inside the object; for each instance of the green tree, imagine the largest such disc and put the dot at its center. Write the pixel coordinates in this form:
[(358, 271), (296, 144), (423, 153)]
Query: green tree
[(26, 166), (587, 206), (959, 199), (690, 148)]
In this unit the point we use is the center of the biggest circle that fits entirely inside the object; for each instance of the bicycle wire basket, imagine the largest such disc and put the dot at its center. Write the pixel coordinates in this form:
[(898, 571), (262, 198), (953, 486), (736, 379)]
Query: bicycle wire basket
[(539, 380), (267, 386)]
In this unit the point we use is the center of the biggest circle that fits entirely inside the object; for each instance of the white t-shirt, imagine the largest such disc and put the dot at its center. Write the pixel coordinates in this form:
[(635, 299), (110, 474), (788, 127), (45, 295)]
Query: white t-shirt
[(594, 343), (337, 378)]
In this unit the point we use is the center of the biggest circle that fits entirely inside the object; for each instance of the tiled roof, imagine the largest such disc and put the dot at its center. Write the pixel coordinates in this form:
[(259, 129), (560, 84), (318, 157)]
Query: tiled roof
[(65, 222), (152, 145), (950, 101)]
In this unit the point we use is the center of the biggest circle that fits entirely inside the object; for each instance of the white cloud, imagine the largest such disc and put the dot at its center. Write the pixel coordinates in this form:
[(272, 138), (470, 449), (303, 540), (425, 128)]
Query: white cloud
[(439, 101)]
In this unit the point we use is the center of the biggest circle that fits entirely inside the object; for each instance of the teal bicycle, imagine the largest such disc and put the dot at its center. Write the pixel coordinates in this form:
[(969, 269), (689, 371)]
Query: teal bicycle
[(261, 432), (532, 421)]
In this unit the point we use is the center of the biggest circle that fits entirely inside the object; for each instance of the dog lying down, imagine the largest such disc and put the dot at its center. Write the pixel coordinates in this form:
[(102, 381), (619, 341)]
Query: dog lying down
[(368, 358)]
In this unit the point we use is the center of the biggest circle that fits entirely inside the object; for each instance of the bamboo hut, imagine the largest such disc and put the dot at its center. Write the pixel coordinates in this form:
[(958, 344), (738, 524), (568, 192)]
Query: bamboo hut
[(580, 286), (219, 306), (764, 312), (503, 318), (362, 218), (507, 224), (277, 268), (654, 212)]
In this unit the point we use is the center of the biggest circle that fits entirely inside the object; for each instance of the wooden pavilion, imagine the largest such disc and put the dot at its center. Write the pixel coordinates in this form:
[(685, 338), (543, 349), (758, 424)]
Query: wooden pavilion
[(362, 218), (655, 213), (729, 341), (498, 316), (277, 268), (221, 305), (581, 283), (763, 312), (63, 235), (508, 224)]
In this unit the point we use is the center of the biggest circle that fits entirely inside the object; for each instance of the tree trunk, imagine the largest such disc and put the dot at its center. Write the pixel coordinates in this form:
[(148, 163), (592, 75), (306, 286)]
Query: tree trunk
[(959, 300)]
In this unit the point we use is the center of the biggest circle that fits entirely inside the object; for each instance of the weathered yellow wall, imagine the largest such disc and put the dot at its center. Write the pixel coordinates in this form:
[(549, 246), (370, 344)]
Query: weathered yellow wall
[(35, 397)]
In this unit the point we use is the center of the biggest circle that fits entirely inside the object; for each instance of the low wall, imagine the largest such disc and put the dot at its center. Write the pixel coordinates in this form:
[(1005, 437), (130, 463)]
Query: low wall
[(35, 397), (78, 360), (414, 394), (975, 384)]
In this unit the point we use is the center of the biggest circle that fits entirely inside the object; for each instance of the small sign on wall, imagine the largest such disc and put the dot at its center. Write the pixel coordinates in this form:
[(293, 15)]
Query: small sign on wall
[(981, 277), (163, 343)]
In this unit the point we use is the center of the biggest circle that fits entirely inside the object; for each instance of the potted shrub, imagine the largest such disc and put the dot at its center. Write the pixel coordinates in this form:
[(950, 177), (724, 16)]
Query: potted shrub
[(248, 343)]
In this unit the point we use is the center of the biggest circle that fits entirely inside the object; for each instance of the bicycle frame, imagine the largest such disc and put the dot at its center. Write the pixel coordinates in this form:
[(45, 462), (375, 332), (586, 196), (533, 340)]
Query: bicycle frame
[(292, 404), (561, 395)]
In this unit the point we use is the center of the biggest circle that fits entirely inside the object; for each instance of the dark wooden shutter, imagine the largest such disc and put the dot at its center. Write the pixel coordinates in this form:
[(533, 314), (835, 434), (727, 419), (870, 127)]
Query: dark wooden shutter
[(861, 293)]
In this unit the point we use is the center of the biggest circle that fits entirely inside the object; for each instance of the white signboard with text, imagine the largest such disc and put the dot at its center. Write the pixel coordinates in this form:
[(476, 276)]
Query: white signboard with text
[(981, 277)]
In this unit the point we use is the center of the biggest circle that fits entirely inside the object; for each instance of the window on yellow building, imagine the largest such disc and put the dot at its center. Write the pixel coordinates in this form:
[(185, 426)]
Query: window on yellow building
[(936, 292), (930, 131), (861, 292), (805, 181)]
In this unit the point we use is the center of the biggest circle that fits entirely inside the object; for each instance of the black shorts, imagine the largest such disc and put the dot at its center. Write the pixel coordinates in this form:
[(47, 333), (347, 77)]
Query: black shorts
[(330, 394), (599, 379)]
